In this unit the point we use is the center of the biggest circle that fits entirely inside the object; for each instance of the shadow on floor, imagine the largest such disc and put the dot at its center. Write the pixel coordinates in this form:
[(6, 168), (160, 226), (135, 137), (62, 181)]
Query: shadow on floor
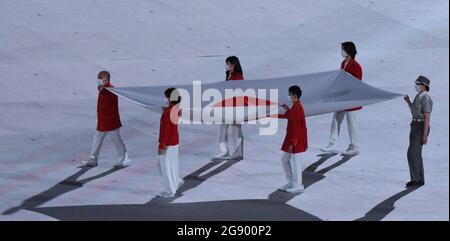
[(274, 208), (311, 176), (164, 208), (381, 210), (67, 185)]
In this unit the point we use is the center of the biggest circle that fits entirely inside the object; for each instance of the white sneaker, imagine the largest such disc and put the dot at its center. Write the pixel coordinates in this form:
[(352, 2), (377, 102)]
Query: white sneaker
[(222, 155), (330, 149), (124, 163), (89, 163), (296, 189), (166, 194), (351, 151), (180, 184), (223, 151), (285, 187)]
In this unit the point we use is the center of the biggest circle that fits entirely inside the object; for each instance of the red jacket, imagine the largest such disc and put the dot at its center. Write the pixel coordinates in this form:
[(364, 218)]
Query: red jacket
[(235, 76), (108, 117), (168, 128), (296, 132), (354, 69)]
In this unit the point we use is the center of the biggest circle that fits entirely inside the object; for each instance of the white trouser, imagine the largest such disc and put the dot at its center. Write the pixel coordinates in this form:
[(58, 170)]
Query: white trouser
[(237, 140), (292, 165), (336, 122), (115, 138), (168, 166)]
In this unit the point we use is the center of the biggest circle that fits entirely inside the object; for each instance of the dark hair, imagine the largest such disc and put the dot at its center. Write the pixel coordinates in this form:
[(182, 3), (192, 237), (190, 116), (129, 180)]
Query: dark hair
[(295, 90), (427, 87), (349, 48), (173, 95), (104, 73), (237, 65)]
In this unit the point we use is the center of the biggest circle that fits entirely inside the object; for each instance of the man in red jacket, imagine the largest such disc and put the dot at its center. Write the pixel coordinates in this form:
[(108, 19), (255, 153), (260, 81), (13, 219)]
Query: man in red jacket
[(108, 123), (295, 142), (168, 144), (352, 67)]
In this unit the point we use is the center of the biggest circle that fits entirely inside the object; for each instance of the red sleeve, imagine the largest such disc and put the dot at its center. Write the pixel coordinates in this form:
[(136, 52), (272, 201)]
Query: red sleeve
[(301, 133), (236, 76), (358, 72), (354, 69), (296, 121), (165, 130), (285, 115), (115, 101)]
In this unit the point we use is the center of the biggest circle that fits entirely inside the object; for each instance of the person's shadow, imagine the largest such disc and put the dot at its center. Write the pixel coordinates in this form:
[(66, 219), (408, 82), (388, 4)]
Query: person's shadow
[(380, 211), (69, 184), (274, 208), (310, 176), (196, 178), (162, 209), (385, 207)]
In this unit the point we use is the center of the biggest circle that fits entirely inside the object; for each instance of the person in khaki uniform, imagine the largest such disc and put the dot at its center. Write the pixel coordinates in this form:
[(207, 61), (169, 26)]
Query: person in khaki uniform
[(420, 129)]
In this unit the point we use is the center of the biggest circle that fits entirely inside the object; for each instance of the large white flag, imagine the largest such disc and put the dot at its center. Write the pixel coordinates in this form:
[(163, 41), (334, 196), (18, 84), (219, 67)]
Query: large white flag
[(240, 101)]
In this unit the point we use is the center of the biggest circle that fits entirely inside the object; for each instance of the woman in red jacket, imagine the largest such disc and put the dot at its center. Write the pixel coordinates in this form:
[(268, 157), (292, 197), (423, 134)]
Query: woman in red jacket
[(352, 67), (295, 142), (108, 123), (168, 144), (233, 73)]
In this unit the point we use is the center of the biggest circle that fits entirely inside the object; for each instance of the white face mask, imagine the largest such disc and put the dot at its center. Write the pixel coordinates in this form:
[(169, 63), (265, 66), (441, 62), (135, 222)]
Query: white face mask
[(166, 100), (344, 54), (289, 99), (418, 88), (99, 82), (228, 67)]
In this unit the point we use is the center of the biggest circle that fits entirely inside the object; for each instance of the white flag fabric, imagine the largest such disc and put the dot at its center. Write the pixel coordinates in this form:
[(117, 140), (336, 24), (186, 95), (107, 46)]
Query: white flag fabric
[(240, 101)]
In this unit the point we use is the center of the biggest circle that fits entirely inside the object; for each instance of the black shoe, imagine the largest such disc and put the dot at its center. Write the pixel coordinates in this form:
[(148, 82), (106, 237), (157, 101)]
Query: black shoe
[(411, 183), (421, 183)]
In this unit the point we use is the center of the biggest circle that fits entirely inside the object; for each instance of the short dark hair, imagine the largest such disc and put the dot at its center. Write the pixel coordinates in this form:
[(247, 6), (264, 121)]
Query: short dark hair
[(173, 95), (349, 48), (104, 73), (295, 90)]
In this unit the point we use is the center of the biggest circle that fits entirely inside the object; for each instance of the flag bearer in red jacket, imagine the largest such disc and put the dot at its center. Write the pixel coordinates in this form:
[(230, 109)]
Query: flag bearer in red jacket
[(168, 144), (233, 73), (108, 123), (352, 67), (295, 142)]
